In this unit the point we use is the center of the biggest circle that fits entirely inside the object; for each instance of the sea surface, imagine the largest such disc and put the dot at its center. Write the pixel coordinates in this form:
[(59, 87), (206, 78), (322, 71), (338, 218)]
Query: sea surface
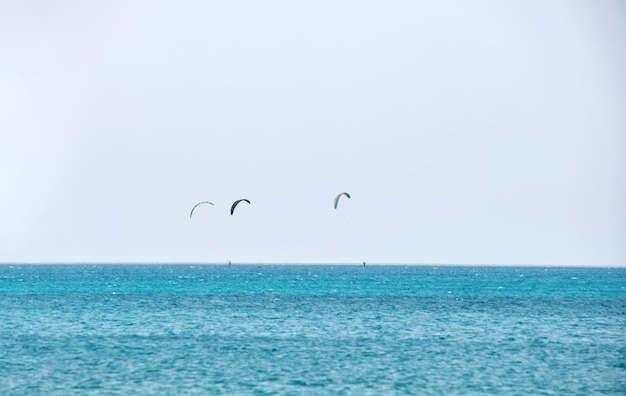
[(127, 329)]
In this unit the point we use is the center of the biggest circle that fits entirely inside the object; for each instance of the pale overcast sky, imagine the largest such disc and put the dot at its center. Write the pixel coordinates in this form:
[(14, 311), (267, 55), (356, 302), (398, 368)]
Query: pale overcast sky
[(484, 132)]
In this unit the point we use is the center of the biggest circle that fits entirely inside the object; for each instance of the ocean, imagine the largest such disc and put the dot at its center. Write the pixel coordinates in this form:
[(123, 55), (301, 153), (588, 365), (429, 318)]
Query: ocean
[(128, 329)]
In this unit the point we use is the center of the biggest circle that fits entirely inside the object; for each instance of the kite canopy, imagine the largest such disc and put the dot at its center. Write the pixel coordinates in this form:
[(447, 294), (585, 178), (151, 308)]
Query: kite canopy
[(232, 208), (200, 203), (339, 196)]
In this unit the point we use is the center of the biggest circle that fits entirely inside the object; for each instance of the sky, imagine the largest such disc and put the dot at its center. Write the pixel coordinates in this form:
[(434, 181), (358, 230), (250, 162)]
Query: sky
[(486, 132)]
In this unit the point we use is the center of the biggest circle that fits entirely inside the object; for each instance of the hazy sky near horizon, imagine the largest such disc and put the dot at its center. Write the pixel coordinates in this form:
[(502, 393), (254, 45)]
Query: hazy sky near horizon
[(487, 132)]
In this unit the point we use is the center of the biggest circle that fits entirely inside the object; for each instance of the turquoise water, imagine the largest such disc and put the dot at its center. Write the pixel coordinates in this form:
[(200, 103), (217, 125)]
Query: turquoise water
[(319, 330)]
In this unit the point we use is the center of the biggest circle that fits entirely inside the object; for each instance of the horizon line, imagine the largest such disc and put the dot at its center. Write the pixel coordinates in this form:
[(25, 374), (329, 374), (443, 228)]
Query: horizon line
[(287, 263)]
